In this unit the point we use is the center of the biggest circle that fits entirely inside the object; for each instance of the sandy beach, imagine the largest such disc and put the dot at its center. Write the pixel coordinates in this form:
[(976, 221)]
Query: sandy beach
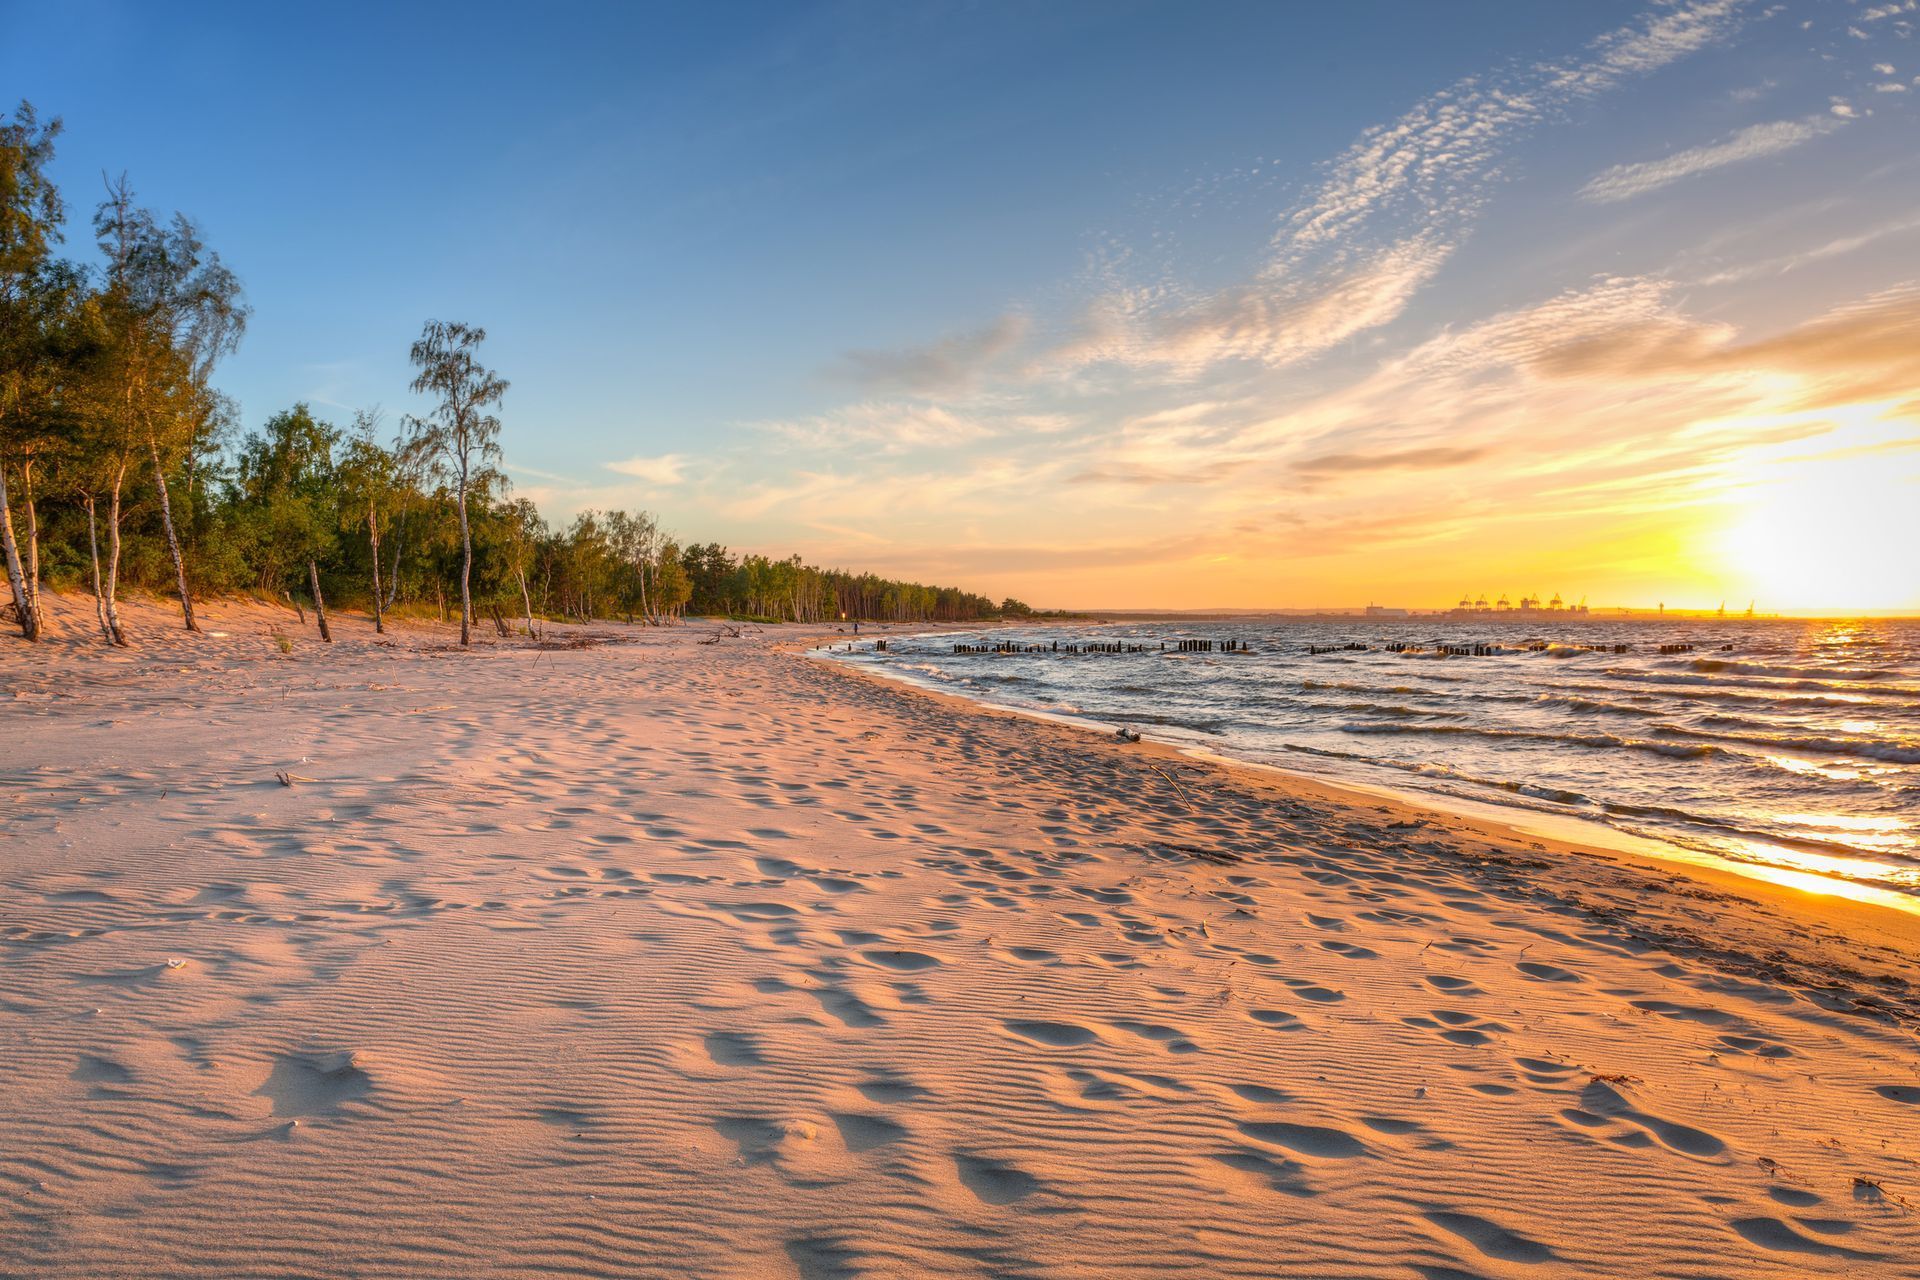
[(655, 957)]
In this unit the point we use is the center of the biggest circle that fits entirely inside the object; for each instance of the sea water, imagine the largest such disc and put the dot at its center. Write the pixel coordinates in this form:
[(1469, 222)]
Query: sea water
[(1787, 745)]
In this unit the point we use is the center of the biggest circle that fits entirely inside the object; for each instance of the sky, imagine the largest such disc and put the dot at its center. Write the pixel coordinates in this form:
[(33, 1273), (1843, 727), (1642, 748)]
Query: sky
[(1100, 305)]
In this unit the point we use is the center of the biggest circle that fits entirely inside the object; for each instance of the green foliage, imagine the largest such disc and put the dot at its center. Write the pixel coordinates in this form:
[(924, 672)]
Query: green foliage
[(106, 401)]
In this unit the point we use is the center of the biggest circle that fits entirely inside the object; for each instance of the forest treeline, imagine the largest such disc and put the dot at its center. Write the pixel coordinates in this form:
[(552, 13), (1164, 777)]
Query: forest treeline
[(122, 464)]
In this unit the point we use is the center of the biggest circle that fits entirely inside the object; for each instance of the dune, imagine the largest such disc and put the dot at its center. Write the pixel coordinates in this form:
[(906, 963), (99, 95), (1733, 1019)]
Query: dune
[(644, 957)]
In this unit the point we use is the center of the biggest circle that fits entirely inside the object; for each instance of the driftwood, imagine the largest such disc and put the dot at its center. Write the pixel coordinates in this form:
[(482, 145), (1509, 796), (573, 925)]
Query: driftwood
[(1182, 791)]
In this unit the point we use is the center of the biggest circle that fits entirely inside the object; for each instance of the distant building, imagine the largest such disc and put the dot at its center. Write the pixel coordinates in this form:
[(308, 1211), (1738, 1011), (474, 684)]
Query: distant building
[(1381, 611)]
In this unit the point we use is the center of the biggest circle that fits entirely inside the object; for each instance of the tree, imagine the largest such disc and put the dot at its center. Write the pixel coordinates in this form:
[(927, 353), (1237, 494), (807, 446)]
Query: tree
[(525, 531), (458, 435), (30, 215), (671, 586), (368, 480), (175, 309), (286, 483)]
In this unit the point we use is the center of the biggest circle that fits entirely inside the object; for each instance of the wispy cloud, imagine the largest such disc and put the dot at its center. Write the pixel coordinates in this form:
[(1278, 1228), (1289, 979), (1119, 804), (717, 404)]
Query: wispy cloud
[(1430, 165), (1384, 219), (896, 426), (1625, 181), (1429, 458), (953, 362), (666, 469)]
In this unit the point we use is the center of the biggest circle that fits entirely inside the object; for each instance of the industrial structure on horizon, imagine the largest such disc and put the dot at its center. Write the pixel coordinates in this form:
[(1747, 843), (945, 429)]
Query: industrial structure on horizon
[(1529, 607)]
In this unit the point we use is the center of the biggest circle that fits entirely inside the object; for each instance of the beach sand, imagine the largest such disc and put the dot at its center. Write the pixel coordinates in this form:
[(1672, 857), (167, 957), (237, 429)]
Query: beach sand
[(662, 958)]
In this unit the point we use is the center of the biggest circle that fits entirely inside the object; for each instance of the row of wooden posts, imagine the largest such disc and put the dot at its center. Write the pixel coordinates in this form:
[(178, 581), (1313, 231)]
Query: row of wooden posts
[(1106, 646), (1477, 650)]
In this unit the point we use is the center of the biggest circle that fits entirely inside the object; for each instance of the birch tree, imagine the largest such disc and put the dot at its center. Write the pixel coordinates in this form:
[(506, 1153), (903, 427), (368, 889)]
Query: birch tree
[(367, 490), (459, 436), (30, 215), (175, 310)]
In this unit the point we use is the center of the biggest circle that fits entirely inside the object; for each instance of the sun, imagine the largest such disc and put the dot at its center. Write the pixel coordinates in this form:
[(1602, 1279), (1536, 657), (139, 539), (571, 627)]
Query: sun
[(1834, 535)]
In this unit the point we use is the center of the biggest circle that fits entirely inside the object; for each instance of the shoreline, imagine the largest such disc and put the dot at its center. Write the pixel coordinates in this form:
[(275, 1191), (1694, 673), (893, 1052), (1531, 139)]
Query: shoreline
[(1887, 912)]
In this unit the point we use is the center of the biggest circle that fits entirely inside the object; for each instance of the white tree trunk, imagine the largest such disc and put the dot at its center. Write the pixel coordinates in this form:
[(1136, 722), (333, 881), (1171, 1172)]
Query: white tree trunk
[(173, 541), (23, 603), (33, 549), (373, 538), (93, 549), (466, 565), (115, 631), (526, 602), (319, 601)]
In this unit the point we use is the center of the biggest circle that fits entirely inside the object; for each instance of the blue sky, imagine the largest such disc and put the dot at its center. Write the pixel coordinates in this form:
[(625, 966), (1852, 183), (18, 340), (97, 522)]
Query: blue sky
[(1100, 304)]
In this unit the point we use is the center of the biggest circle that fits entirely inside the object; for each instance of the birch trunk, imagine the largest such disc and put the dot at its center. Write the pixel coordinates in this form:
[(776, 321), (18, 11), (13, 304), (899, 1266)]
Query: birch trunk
[(526, 602), (319, 601), (393, 578), (93, 549), (33, 548), (115, 632), (173, 540), (466, 565), (22, 597), (373, 537)]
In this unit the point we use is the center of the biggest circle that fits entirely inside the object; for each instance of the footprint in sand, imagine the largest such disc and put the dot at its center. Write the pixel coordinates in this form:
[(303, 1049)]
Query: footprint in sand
[(1285, 1176), (1490, 1238), (906, 961), (1758, 1046), (1452, 985), (757, 1138), (994, 1181), (890, 1087), (1307, 1139), (1601, 1099), (92, 1070), (313, 1084), (1056, 1035), (817, 1258), (1175, 1041), (1544, 1071), (734, 1049), (1540, 972), (865, 1132), (1907, 1093), (1771, 1233)]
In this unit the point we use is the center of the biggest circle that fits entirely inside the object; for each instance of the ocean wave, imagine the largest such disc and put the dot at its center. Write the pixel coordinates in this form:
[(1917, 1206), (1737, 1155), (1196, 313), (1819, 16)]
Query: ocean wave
[(1702, 680), (1596, 741), (1717, 666), (1345, 686), (1859, 748), (1573, 702)]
